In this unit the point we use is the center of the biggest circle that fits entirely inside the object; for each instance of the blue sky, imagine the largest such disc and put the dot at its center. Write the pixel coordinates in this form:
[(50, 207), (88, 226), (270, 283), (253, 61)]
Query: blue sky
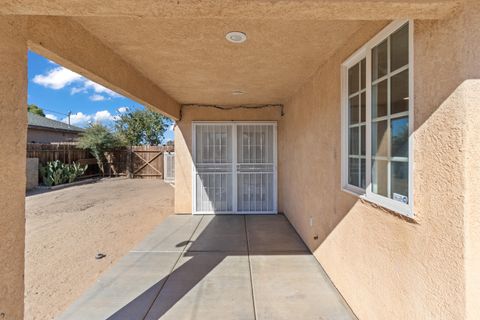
[(58, 90)]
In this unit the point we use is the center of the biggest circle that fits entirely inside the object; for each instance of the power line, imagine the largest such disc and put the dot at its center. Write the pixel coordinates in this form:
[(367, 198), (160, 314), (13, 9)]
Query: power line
[(52, 111), (69, 114)]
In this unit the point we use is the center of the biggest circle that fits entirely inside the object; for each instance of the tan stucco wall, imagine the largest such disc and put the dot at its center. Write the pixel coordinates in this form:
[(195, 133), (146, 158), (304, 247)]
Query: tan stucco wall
[(13, 129), (472, 200), (183, 143), (385, 266), (472, 166)]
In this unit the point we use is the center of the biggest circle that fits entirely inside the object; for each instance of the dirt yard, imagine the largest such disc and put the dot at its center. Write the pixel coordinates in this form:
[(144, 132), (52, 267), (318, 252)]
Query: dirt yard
[(68, 227)]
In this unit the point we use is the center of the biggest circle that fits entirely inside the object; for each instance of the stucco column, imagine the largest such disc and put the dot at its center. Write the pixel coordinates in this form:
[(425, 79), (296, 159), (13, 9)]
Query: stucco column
[(471, 98), (13, 126)]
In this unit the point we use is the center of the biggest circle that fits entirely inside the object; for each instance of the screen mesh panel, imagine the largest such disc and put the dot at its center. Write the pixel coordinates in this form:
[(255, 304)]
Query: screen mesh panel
[(235, 168), (255, 168), (169, 167)]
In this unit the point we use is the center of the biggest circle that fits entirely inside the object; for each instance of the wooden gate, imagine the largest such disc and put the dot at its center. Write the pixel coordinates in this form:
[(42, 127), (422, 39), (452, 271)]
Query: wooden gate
[(147, 161)]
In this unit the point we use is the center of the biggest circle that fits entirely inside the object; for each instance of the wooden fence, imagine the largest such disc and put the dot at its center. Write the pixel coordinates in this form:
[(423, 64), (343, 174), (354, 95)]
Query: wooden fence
[(134, 162), (66, 153)]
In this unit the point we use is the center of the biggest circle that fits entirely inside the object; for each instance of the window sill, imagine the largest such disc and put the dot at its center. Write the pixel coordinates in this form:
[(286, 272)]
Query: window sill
[(389, 205), (355, 191)]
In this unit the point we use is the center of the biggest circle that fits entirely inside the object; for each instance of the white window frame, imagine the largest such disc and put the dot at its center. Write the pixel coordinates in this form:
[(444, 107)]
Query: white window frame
[(234, 125), (365, 52)]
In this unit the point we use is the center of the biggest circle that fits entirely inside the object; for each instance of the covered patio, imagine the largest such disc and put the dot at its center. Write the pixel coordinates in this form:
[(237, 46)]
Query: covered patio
[(215, 267), (357, 120)]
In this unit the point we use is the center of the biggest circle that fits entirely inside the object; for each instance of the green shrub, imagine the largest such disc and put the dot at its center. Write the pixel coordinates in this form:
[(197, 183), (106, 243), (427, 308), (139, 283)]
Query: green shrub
[(142, 127), (99, 139), (56, 172)]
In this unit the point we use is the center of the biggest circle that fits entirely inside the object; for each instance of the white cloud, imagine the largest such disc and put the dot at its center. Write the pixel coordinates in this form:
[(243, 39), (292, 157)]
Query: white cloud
[(102, 116), (57, 78), (82, 120), (98, 97), (79, 119), (60, 77), (51, 116), (76, 90), (122, 109), (100, 89)]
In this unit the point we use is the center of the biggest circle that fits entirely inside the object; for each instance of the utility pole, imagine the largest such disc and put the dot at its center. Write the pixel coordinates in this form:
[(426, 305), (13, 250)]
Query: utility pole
[(69, 114)]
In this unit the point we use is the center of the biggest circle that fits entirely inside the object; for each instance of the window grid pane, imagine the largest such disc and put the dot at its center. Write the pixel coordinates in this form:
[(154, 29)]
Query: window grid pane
[(389, 111), (380, 60), (357, 123), (399, 48)]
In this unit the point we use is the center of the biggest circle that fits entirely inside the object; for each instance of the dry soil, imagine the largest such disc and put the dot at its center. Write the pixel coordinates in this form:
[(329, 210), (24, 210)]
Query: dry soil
[(67, 228)]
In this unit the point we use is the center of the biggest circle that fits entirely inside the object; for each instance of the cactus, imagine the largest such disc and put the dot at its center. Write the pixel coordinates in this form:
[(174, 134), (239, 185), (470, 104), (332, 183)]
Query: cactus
[(75, 170), (56, 172)]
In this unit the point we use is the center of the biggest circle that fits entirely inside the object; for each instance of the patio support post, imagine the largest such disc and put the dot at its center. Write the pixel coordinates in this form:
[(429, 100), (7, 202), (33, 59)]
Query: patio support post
[(13, 129)]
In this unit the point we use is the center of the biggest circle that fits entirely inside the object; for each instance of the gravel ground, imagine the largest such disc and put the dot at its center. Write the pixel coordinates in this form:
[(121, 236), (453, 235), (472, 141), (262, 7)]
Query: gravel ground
[(67, 228)]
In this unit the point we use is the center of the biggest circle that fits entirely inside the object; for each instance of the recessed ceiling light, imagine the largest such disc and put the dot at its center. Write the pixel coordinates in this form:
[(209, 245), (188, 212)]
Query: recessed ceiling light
[(238, 92), (236, 37)]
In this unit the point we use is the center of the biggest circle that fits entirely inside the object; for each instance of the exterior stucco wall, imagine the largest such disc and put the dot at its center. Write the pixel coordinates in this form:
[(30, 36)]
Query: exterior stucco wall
[(49, 136), (183, 144), (13, 129), (472, 199), (388, 267), (471, 100)]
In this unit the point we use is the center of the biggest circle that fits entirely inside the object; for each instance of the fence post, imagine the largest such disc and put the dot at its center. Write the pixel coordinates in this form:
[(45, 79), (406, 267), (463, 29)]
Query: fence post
[(129, 162)]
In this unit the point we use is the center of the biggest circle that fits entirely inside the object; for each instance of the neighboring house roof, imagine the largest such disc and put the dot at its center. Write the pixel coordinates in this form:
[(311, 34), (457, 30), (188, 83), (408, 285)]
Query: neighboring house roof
[(36, 121)]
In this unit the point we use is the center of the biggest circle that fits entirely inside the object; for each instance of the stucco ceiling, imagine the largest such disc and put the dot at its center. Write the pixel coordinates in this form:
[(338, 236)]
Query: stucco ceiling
[(192, 61)]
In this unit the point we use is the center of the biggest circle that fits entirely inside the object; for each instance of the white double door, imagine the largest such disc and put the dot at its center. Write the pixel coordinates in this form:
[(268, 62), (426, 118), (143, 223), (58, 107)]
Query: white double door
[(235, 167)]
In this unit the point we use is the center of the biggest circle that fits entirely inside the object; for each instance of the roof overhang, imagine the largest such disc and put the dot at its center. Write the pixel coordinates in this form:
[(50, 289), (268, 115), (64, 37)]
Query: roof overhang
[(235, 9), (167, 53), (54, 129)]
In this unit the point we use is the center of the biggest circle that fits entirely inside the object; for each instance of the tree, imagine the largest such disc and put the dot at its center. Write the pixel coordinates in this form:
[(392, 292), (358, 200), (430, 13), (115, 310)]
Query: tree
[(142, 127), (33, 108), (98, 139)]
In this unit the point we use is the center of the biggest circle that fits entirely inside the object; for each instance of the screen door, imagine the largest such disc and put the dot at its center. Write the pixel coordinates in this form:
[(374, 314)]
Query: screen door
[(255, 168), (234, 167), (213, 164)]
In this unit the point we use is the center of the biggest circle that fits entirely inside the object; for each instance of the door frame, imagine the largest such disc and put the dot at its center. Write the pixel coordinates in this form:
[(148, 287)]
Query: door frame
[(234, 125)]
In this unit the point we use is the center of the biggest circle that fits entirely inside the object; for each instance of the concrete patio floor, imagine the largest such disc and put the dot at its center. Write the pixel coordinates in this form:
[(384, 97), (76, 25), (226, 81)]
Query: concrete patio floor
[(215, 267)]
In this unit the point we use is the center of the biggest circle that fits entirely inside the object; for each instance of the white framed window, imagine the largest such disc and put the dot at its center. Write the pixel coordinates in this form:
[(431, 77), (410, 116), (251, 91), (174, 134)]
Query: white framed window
[(377, 119)]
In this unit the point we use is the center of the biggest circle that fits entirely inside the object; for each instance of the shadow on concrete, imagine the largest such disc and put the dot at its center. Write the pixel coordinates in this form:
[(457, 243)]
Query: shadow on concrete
[(214, 239), (215, 267)]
